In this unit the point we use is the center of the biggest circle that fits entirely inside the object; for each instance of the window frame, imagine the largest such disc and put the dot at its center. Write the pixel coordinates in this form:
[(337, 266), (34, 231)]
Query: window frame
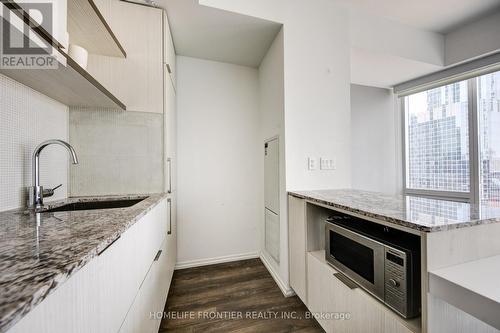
[(473, 196)]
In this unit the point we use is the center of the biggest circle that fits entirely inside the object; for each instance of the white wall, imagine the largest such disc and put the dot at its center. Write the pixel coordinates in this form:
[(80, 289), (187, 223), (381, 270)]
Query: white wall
[(272, 109), (317, 85), (26, 119), (376, 140), (220, 169), (317, 116)]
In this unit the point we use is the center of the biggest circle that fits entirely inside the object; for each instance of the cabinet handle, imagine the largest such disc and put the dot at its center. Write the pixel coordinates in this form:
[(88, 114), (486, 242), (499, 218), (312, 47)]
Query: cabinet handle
[(169, 201), (345, 280), (169, 70), (169, 161), (108, 246), (158, 255)]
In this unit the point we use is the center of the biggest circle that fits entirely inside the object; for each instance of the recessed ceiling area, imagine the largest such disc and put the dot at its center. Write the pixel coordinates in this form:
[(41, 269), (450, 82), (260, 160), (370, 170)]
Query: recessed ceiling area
[(213, 34), (440, 16)]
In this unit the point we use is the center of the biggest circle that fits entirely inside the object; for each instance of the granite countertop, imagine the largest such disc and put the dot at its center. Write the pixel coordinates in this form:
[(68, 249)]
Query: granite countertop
[(419, 213), (39, 252)]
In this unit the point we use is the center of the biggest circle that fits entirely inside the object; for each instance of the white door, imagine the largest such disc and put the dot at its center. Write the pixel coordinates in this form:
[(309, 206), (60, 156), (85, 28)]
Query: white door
[(272, 234), (271, 176), (272, 198)]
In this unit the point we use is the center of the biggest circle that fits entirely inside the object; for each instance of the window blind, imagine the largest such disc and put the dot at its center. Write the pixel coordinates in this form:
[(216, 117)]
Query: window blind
[(464, 71)]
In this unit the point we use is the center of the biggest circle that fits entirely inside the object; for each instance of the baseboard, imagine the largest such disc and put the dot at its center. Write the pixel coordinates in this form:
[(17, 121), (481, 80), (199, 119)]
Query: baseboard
[(216, 260), (287, 291)]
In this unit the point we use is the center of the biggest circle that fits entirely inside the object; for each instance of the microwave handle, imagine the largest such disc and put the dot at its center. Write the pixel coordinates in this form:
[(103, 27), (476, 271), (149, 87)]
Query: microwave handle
[(345, 280)]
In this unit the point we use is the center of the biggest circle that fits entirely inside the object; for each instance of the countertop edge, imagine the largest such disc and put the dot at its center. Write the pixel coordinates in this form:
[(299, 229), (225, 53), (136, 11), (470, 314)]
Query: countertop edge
[(382, 218), (397, 221)]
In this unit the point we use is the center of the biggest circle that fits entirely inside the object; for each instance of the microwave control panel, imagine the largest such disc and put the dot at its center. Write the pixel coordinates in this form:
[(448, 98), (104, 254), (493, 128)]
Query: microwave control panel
[(395, 280)]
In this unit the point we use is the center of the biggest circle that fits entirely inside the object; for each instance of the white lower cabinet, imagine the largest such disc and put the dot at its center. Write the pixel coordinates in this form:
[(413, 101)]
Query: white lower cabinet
[(123, 266), (146, 311), (327, 300), (297, 240), (331, 301), (116, 291), (144, 314)]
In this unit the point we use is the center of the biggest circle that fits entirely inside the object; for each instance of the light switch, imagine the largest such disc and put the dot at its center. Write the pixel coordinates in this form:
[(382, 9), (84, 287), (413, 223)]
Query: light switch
[(311, 163), (326, 164)]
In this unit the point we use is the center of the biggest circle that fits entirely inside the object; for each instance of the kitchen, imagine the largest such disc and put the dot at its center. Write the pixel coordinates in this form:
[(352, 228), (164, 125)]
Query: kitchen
[(321, 165)]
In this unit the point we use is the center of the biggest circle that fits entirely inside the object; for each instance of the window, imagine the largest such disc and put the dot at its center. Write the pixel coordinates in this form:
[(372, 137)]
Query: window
[(438, 139), (452, 140), (488, 95)]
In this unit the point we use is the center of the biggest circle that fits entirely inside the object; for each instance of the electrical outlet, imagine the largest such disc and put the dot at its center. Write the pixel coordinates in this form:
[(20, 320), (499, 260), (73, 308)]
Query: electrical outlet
[(326, 164), (311, 164)]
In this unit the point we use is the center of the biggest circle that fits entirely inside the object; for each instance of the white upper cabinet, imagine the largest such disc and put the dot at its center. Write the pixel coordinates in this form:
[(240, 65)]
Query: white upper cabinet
[(136, 80), (169, 50)]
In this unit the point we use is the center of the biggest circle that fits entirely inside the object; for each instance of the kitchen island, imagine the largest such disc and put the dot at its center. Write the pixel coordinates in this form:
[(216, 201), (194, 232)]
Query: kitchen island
[(451, 233)]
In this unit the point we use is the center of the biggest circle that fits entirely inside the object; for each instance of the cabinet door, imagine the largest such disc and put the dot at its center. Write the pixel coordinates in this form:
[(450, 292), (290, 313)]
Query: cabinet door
[(366, 313), (72, 307), (317, 291), (119, 281), (143, 315), (170, 136), (328, 297), (297, 246), (165, 273), (123, 266), (138, 79), (338, 303), (169, 51), (171, 239)]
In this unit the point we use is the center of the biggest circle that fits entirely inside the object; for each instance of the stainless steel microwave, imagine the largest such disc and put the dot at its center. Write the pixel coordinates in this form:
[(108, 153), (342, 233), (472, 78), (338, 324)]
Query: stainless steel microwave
[(365, 255)]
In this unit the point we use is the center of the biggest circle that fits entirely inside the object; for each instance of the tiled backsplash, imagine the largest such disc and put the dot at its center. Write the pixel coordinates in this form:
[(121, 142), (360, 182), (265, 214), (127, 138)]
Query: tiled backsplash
[(119, 152), (26, 119)]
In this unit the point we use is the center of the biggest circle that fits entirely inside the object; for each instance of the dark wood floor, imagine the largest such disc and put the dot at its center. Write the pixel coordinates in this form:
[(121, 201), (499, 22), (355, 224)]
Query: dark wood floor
[(232, 297)]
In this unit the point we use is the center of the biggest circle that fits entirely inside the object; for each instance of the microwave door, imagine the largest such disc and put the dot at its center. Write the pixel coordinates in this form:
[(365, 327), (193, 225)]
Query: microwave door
[(358, 257)]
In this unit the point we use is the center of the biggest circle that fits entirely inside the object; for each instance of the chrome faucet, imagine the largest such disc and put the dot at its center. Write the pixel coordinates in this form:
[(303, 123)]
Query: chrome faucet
[(36, 193)]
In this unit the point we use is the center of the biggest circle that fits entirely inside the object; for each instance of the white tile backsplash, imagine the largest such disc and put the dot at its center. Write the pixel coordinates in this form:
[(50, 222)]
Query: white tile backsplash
[(120, 152), (26, 119)]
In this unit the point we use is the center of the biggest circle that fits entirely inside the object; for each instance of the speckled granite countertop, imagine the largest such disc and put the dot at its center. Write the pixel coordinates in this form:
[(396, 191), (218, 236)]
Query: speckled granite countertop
[(38, 252), (419, 213)]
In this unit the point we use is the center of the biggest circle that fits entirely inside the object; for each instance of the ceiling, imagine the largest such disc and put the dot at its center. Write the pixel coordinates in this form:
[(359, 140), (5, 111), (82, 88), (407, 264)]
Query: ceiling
[(214, 34), (440, 16)]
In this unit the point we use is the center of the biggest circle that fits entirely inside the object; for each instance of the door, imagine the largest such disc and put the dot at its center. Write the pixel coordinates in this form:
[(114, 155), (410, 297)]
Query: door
[(272, 198), (271, 176)]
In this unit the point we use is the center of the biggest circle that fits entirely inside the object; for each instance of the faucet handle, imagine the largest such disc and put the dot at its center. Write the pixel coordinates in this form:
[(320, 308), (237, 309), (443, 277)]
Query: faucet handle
[(50, 192), (55, 188)]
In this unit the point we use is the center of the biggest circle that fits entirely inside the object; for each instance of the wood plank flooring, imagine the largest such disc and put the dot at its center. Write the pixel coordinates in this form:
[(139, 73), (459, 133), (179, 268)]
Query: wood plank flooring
[(232, 297)]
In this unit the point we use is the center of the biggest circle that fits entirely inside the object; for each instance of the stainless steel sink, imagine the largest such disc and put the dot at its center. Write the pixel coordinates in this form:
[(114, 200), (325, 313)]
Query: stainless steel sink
[(91, 205)]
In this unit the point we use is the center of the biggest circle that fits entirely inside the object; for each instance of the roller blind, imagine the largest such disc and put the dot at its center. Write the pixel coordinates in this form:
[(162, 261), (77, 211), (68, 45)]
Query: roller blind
[(470, 69)]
